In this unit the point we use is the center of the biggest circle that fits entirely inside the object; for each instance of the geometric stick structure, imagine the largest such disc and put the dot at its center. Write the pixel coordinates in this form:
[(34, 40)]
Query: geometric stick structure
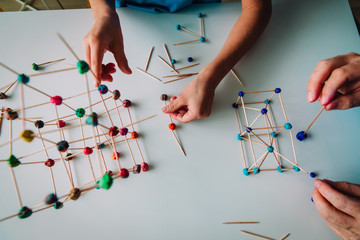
[(102, 133), (257, 129)]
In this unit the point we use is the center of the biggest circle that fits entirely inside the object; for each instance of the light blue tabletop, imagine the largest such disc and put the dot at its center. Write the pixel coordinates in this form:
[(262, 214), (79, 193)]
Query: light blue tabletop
[(188, 197)]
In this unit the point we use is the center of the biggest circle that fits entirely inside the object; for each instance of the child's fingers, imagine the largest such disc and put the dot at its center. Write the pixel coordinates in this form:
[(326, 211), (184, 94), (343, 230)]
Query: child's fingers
[(121, 59), (343, 102), (97, 54), (320, 74)]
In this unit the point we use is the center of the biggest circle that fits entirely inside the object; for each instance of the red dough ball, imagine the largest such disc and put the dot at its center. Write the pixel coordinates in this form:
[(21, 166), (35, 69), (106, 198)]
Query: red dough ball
[(88, 151), (124, 173), (144, 166), (50, 162), (134, 135), (172, 126), (115, 155), (113, 131), (57, 100), (60, 124)]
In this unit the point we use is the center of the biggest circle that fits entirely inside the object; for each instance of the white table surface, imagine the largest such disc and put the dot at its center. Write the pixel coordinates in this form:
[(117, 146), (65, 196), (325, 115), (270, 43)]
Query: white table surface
[(188, 197)]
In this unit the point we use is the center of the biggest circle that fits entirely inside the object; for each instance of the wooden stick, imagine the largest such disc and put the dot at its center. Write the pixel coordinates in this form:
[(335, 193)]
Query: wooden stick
[(22, 102), (283, 238), (240, 222), (50, 72), (256, 235), (183, 43), (10, 86), (316, 117), (178, 141), (131, 124), (201, 26), (283, 108), (1, 118), (58, 60), (258, 92), (186, 67), (180, 75), (237, 78), (168, 55), (68, 46), (157, 79), (148, 60), (177, 79), (167, 64), (11, 70), (191, 32)]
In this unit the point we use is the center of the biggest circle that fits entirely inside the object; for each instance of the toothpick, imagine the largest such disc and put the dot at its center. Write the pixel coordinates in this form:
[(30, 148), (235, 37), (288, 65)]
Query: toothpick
[(256, 235), (50, 72), (148, 60), (53, 61), (157, 79), (316, 117), (1, 118), (178, 69), (167, 64), (177, 79), (191, 32), (259, 92), (240, 222), (68, 46), (180, 75), (11, 85), (11, 70), (237, 78), (283, 238), (183, 43), (168, 55)]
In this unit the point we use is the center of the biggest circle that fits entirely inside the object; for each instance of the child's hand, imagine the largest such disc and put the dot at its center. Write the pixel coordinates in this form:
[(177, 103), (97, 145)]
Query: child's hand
[(336, 82), (194, 102), (105, 35), (339, 205)]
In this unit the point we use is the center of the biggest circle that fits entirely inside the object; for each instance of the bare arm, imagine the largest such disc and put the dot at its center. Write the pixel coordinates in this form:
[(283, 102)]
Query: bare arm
[(105, 35), (195, 101)]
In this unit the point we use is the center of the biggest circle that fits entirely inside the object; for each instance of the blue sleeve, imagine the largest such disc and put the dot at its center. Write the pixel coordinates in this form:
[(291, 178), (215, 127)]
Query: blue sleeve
[(157, 6)]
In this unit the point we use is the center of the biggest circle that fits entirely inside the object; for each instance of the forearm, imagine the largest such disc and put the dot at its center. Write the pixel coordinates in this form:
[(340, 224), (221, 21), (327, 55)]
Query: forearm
[(248, 28), (102, 8)]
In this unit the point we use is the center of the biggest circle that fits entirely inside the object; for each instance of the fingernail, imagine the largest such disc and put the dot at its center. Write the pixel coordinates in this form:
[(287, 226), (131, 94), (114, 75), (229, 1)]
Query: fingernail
[(310, 97), (128, 69), (322, 100), (164, 109), (317, 183)]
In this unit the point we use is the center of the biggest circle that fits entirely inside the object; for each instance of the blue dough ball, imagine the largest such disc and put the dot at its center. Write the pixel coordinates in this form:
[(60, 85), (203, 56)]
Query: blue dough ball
[(277, 90), (301, 135), (296, 169), (239, 137), (245, 171), (279, 169), (234, 105), (190, 59), (273, 134), (287, 126), (241, 94), (270, 149), (202, 39), (256, 170), (312, 175), (264, 111)]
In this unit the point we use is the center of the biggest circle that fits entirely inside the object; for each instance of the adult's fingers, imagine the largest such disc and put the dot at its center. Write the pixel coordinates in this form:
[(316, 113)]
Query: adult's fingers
[(121, 59), (173, 106), (329, 213), (97, 54), (337, 199), (347, 188), (346, 101), (320, 74), (340, 77)]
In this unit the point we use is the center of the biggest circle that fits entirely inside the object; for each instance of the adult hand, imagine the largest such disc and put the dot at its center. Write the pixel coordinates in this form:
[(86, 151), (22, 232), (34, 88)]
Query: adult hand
[(105, 35), (336, 82), (194, 102), (339, 205)]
